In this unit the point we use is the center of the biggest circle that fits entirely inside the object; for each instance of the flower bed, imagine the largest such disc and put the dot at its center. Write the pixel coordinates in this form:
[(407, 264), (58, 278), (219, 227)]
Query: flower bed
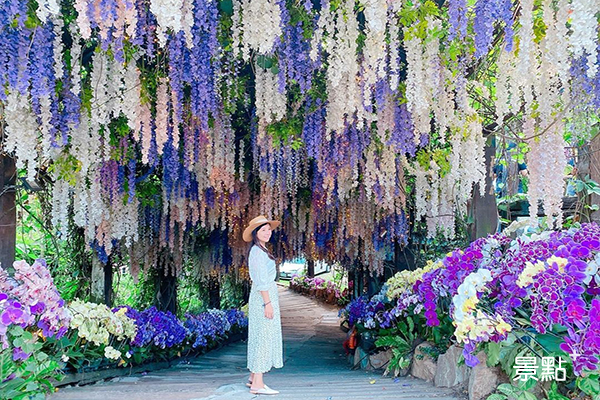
[(42, 337), (535, 295), (331, 292)]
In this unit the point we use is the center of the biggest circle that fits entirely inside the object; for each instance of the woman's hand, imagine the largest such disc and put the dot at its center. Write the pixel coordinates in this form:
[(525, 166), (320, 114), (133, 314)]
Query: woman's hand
[(269, 311)]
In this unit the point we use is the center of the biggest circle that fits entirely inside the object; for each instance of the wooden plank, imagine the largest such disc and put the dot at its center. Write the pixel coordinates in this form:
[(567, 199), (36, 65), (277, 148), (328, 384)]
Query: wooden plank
[(8, 213)]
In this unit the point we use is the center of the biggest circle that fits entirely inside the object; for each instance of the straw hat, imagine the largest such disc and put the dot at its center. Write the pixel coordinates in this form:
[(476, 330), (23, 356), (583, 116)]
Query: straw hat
[(258, 221)]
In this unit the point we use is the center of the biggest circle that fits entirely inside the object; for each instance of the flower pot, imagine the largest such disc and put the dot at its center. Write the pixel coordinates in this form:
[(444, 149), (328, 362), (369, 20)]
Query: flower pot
[(331, 298)]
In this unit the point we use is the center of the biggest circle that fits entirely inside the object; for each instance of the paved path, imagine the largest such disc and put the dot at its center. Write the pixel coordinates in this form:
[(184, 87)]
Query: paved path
[(315, 369)]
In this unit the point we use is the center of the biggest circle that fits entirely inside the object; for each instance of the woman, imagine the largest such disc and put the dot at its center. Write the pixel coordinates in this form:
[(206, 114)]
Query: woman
[(265, 349)]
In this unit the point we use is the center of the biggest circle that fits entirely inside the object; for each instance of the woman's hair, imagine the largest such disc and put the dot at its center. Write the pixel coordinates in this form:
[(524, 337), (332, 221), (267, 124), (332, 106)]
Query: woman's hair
[(256, 242)]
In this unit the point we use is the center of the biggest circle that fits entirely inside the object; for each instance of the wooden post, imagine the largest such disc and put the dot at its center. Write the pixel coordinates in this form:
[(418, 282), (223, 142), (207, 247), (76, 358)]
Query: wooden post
[(108, 283), (594, 166), (483, 209), (310, 268), (8, 213)]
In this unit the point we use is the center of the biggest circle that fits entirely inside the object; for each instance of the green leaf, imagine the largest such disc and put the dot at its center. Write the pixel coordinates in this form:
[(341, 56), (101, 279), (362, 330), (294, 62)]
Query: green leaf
[(550, 343), (508, 390), (496, 396), (493, 353), (553, 393), (226, 6), (589, 385), (526, 396)]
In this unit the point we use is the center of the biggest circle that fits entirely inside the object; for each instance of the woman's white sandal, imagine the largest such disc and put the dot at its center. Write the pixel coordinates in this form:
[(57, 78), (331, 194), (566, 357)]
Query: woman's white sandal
[(265, 390)]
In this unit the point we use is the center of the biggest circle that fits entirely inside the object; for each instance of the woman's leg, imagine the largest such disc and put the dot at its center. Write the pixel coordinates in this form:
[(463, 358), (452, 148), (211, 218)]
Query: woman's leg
[(257, 380)]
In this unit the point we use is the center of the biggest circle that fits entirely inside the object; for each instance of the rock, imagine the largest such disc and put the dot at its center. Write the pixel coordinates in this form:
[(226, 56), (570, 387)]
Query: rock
[(423, 366), (360, 357), (448, 373), (484, 380), (380, 360)]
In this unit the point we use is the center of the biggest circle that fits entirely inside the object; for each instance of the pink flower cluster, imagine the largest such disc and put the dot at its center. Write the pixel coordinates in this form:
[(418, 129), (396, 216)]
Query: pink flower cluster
[(31, 299)]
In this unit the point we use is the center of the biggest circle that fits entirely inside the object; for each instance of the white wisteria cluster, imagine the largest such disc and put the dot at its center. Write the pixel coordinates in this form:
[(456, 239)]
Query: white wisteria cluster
[(162, 114), (394, 49), (382, 169), (58, 49), (443, 93), (556, 45), (47, 8), (526, 61), (221, 157), (21, 132), (344, 94), (504, 72), (424, 77), (171, 14), (259, 24), (584, 34), (137, 113), (440, 196), (374, 51), (121, 23), (325, 24), (60, 203), (539, 74), (546, 162), (83, 22), (270, 102)]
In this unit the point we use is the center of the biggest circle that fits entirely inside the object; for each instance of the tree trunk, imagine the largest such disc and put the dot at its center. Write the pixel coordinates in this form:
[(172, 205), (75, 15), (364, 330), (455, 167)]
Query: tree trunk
[(166, 296), (108, 283), (97, 286), (8, 213), (483, 209)]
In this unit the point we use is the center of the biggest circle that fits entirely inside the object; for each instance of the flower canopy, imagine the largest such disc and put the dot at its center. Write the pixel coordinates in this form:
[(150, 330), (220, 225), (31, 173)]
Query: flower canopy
[(158, 117)]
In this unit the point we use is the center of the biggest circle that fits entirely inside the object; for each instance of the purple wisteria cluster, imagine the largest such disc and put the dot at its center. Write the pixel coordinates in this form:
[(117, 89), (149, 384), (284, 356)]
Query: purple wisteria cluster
[(487, 13)]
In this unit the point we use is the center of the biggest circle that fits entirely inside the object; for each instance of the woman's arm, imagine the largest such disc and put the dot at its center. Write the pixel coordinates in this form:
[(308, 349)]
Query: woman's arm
[(260, 279), (267, 304)]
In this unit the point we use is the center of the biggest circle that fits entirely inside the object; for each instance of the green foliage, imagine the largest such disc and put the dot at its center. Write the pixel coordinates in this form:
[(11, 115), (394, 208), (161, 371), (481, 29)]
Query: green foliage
[(287, 132), (232, 291), (30, 378), (415, 18), (510, 391), (401, 350), (590, 385), (139, 295)]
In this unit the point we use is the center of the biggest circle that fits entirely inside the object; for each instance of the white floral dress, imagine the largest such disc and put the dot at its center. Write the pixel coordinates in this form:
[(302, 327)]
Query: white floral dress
[(265, 347)]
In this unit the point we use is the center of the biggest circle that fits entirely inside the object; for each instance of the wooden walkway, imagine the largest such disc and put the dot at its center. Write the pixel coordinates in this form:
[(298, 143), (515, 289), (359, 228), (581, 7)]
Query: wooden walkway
[(315, 369)]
